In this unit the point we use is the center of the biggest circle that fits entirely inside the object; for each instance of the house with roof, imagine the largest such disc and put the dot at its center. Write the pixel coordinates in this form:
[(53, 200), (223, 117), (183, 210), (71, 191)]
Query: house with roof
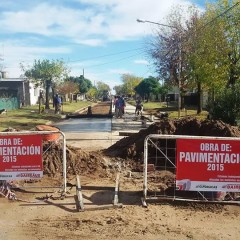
[(17, 92)]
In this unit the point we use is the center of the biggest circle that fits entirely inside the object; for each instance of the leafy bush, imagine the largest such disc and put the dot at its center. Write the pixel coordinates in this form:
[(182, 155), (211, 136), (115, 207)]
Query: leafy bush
[(226, 106)]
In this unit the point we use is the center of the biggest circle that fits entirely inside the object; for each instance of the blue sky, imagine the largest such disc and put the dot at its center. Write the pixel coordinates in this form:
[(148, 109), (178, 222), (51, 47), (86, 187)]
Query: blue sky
[(100, 36)]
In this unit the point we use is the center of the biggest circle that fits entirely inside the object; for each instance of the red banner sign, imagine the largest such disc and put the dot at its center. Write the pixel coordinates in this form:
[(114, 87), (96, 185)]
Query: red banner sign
[(21, 157), (208, 165)]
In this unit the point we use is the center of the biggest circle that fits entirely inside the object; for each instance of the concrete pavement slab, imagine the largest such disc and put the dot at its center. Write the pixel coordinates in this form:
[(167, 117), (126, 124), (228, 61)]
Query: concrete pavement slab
[(96, 134)]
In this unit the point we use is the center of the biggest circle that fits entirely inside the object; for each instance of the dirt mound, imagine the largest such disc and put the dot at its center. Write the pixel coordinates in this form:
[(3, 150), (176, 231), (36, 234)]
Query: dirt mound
[(78, 161), (100, 108), (98, 163), (132, 146)]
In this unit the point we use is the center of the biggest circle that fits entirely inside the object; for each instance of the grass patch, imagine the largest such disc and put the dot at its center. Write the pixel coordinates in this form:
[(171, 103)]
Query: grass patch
[(189, 112), (74, 106), (172, 109), (27, 118), (149, 105), (153, 105)]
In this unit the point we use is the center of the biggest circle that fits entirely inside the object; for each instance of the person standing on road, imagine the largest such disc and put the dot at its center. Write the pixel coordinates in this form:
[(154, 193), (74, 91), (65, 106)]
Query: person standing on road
[(114, 104), (123, 105), (120, 105), (138, 110), (57, 104), (117, 106)]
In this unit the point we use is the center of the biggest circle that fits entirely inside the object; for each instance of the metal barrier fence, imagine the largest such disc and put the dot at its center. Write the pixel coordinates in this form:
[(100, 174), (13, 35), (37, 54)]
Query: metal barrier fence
[(161, 155), (22, 154)]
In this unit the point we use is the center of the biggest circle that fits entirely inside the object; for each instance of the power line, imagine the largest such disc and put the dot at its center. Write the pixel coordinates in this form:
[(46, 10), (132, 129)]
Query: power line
[(107, 55), (214, 19), (100, 64), (220, 15), (119, 60)]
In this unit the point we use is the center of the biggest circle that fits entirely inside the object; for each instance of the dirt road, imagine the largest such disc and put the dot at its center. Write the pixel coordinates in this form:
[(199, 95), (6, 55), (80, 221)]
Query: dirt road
[(58, 219), (45, 214)]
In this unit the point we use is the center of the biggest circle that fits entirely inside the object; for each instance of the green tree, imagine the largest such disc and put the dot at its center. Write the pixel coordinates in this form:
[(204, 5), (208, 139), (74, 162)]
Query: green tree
[(103, 90), (83, 83), (230, 22), (200, 51), (120, 90), (46, 73), (147, 86), (167, 50), (92, 93), (205, 55), (67, 88), (163, 91), (226, 105), (214, 49), (130, 81)]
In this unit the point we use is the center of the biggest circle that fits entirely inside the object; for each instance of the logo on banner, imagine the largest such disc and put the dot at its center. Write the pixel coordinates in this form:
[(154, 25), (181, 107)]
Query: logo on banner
[(208, 164), (206, 186), (5, 176), (232, 186), (184, 184), (28, 175)]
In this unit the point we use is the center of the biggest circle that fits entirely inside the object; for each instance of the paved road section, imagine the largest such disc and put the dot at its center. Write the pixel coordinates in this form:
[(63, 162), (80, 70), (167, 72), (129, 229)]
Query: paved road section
[(82, 125), (96, 134)]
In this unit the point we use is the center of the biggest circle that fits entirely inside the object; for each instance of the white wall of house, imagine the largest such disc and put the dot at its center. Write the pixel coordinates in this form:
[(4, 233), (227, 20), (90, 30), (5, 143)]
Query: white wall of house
[(80, 97), (34, 94)]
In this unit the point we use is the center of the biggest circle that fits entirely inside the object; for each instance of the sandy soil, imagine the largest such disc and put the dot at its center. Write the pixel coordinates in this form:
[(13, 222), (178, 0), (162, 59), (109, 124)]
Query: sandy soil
[(58, 219), (43, 213)]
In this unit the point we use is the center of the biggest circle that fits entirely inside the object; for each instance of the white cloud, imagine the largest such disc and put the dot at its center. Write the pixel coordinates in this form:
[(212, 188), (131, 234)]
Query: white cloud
[(91, 42), (99, 3), (122, 20), (51, 20), (83, 64), (120, 71), (95, 24), (140, 61), (112, 20), (16, 53)]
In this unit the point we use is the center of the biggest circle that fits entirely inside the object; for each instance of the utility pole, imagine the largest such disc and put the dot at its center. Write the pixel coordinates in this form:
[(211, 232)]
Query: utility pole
[(179, 76), (2, 73)]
